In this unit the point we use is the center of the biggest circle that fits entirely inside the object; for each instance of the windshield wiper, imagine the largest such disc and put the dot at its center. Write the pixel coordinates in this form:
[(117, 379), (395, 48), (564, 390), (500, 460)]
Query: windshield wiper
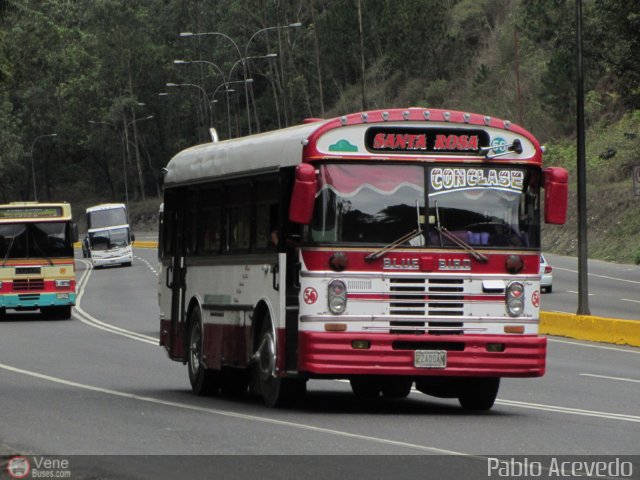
[(6, 257), (446, 233), (35, 242), (378, 253)]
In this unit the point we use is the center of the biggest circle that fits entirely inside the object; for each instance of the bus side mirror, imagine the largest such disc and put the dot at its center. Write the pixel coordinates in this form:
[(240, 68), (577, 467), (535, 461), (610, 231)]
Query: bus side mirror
[(556, 195), (304, 194), (74, 232)]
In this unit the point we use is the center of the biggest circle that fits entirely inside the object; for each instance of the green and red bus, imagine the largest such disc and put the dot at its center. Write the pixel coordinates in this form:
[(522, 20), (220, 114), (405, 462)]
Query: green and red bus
[(36, 250)]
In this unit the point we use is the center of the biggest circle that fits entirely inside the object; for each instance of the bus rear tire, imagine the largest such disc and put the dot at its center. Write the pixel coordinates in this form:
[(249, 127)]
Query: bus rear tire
[(276, 391), (366, 387), (478, 393), (203, 381)]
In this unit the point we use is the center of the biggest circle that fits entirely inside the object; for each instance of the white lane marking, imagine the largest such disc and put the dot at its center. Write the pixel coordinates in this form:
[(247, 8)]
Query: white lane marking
[(598, 346), (145, 261), (577, 293), (606, 377), (629, 300), (230, 414), (570, 411), (87, 319), (600, 276)]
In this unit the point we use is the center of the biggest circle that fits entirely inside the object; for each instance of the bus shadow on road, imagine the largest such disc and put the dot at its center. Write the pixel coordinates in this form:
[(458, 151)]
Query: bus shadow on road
[(20, 317), (332, 401)]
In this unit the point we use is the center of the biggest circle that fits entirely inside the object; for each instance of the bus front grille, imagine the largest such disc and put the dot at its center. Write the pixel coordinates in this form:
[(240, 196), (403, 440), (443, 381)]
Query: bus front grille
[(27, 284), (430, 297)]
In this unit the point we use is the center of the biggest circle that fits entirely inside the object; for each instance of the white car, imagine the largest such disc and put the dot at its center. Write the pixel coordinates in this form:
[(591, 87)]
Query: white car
[(546, 275)]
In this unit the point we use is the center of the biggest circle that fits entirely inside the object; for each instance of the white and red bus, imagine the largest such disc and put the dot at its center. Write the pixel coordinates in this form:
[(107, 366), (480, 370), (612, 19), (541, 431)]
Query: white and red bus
[(389, 248)]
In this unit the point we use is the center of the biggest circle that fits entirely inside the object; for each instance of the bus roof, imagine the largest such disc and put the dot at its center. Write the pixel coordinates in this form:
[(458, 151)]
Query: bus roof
[(105, 206), (350, 137), (261, 152), (34, 212)]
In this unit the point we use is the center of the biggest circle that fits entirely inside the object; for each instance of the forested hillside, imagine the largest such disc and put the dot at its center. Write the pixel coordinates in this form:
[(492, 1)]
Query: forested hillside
[(95, 74)]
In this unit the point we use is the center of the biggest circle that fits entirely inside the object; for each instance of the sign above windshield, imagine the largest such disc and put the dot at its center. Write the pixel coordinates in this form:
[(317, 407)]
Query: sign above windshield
[(425, 140), (30, 212)]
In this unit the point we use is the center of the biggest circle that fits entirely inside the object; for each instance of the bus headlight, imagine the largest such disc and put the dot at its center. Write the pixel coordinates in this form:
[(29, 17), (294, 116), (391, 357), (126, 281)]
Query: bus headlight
[(63, 283), (337, 296), (515, 299)]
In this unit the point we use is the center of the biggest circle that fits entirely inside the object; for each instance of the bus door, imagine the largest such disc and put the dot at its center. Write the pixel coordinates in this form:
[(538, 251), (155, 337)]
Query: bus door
[(176, 269)]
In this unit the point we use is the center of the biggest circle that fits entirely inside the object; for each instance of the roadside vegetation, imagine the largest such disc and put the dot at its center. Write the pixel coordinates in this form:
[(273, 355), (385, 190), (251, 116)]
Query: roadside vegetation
[(91, 72)]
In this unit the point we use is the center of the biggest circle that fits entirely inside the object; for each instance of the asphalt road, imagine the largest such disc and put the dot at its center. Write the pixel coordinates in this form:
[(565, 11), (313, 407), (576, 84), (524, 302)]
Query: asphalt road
[(97, 387), (614, 289)]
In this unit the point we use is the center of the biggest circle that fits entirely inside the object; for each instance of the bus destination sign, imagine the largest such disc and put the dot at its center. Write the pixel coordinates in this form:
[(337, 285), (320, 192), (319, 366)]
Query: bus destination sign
[(426, 140), (30, 212)]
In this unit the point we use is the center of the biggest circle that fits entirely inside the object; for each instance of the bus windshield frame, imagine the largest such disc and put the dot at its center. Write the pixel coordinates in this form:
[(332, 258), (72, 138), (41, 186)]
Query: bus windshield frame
[(374, 204), (36, 240), (106, 217)]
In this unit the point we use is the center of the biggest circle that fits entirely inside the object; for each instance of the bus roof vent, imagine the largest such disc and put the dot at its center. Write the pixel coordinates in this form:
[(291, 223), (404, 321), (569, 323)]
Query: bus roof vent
[(365, 117), (426, 114), (487, 120)]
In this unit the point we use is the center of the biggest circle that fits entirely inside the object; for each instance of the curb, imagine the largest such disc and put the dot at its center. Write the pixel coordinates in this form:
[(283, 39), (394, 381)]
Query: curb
[(587, 327), (143, 244)]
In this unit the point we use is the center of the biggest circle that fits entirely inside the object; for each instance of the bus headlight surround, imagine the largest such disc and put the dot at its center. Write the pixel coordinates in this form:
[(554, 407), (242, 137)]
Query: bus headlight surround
[(515, 299), (63, 283), (337, 297)]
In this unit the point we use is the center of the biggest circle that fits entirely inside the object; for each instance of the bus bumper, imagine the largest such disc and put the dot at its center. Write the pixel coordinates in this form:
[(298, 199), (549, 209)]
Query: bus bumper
[(334, 354), (37, 300)]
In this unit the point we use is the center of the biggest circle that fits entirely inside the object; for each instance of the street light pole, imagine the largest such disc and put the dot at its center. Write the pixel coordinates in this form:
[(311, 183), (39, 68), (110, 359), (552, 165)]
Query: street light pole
[(227, 90), (204, 93), (244, 67), (33, 168), (138, 165), (583, 286), (246, 53)]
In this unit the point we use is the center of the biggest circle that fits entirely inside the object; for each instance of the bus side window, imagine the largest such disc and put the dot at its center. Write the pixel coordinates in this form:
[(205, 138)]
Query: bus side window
[(266, 233), (238, 217), (191, 221), (209, 221)]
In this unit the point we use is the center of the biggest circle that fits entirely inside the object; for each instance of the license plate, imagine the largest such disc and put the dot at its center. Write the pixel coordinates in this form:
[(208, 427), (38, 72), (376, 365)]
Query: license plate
[(430, 358)]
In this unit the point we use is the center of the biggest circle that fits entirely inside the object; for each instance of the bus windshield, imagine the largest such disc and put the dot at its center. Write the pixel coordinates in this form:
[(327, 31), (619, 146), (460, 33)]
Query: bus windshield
[(492, 207), (35, 240), (109, 239), (107, 218)]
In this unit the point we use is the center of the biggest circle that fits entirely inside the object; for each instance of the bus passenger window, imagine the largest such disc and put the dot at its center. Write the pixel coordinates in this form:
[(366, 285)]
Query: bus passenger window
[(238, 214), (266, 194), (209, 222)]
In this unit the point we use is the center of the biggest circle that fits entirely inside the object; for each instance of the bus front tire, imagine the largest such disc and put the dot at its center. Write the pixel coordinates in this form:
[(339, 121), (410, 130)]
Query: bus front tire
[(203, 381), (478, 393), (366, 387), (276, 391)]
